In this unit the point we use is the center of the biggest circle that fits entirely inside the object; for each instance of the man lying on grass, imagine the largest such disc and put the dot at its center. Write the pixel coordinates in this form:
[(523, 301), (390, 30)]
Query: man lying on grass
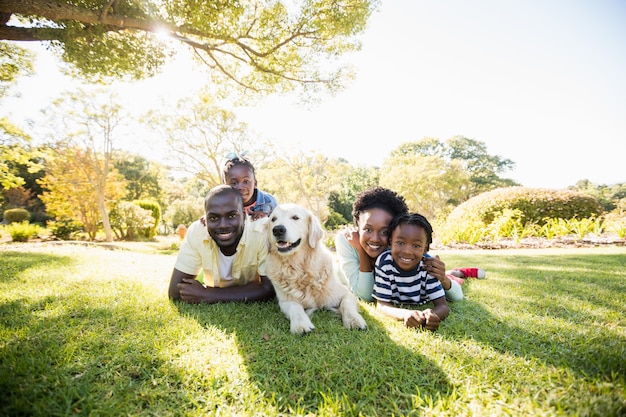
[(230, 253), (400, 276)]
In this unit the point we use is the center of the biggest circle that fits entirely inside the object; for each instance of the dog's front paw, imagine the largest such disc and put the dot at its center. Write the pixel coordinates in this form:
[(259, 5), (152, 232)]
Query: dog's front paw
[(355, 321), (301, 327)]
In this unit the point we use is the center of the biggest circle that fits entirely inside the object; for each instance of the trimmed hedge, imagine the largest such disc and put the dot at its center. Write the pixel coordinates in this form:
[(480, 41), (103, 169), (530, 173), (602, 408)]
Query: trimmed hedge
[(16, 215), (155, 209), (536, 205)]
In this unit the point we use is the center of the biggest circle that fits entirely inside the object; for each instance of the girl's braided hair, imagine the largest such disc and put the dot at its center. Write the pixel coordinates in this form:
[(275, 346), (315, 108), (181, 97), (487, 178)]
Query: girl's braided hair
[(414, 219), (237, 160), (378, 197)]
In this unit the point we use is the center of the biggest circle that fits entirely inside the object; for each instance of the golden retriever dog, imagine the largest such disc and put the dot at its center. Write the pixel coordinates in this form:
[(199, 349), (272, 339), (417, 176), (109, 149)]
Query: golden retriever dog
[(302, 270)]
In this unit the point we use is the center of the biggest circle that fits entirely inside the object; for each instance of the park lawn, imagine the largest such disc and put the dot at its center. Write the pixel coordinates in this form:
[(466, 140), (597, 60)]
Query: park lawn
[(89, 331)]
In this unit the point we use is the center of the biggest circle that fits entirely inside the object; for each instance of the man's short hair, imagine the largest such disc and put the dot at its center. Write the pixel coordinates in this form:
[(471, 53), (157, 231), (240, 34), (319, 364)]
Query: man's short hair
[(221, 190)]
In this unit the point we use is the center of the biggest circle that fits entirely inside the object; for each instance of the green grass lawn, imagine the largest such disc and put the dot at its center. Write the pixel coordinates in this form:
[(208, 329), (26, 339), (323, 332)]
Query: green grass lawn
[(90, 331)]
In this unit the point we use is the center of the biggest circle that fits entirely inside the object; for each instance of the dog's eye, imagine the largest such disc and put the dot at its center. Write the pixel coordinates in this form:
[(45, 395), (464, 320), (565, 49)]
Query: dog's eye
[(295, 217)]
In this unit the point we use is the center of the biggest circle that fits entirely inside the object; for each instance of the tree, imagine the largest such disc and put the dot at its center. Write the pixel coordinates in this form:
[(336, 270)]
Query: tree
[(14, 62), (70, 191), (15, 150), (353, 181), (484, 169), (143, 177), (303, 178), (88, 121), (200, 135), (430, 185), (610, 197), (258, 45)]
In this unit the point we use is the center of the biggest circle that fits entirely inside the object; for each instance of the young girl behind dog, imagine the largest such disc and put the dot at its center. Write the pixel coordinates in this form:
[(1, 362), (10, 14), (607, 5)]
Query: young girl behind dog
[(239, 174), (400, 276)]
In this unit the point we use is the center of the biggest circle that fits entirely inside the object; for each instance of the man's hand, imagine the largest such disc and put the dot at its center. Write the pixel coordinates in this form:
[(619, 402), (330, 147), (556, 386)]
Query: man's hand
[(192, 291)]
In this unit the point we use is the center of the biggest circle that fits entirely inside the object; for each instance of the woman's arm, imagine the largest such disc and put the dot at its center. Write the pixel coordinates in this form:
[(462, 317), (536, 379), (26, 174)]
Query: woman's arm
[(360, 282)]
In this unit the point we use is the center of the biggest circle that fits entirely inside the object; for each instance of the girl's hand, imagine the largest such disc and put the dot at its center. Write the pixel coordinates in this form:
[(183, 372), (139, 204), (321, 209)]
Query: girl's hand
[(432, 320), (414, 318), (256, 215)]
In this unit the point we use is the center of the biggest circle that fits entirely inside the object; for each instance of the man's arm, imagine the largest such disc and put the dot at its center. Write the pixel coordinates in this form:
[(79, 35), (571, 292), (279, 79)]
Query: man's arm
[(185, 287)]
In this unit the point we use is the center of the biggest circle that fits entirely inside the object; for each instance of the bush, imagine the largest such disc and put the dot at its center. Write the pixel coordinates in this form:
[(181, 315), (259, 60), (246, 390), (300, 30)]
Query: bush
[(21, 232), (532, 206), (155, 209), (184, 212), (64, 229), (16, 215), (128, 220)]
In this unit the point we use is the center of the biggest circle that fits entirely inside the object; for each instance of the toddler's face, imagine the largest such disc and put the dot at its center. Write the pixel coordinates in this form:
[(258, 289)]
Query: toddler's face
[(242, 179), (408, 244)]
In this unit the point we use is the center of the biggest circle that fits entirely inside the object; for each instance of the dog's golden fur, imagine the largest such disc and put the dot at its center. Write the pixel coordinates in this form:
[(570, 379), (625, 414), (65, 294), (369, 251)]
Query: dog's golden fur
[(302, 270)]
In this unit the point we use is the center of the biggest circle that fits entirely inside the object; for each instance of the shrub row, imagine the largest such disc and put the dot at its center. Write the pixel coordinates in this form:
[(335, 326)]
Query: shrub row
[(513, 209)]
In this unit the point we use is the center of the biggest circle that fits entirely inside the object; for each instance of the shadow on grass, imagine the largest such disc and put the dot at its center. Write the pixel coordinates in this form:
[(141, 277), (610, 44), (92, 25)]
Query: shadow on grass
[(61, 358), (14, 264), (566, 313), (350, 372)]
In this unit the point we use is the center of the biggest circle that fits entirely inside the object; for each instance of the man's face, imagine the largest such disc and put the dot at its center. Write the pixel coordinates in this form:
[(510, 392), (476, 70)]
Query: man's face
[(225, 221)]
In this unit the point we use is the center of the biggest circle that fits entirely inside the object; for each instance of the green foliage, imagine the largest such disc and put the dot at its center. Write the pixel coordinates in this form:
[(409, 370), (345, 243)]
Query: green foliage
[(23, 231), (582, 227), (143, 177), (536, 205), (129, 221), (15, 150), (353, 180), (184, 212), (518, 212), (16, 215), (64, 229), (430, 185), (253, 46), (483, 169), (14, 63), (615, 221), (334, 220), (508, 223), (155, 209), (609, 196)]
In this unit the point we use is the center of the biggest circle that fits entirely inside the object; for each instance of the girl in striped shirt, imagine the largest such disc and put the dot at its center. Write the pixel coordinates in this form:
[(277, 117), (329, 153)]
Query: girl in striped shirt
[(400, 276)]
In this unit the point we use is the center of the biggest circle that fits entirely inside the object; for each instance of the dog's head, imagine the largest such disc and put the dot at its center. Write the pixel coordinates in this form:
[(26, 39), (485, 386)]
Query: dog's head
[(290, 227)]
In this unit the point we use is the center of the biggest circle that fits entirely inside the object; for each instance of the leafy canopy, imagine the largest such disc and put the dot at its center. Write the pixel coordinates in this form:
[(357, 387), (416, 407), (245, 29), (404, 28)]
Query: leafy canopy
[(259, 45)]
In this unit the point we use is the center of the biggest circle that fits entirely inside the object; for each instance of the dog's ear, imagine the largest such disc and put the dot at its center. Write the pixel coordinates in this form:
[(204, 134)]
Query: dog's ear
[(316, 233)]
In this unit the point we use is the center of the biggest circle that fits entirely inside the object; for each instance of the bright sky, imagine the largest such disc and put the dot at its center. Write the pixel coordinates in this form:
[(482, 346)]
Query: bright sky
[(541, 82)]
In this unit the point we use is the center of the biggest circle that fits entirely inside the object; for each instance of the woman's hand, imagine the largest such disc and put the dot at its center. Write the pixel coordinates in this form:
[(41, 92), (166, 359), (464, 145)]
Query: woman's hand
[(436, 267), (353, 238)]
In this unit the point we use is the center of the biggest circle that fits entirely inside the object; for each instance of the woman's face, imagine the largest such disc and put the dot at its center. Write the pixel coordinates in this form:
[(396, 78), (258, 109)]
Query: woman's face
[(374, 231)]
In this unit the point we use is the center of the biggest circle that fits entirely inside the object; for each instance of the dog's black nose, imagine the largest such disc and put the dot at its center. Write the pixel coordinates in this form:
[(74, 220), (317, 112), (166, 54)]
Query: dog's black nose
[(279, 231)]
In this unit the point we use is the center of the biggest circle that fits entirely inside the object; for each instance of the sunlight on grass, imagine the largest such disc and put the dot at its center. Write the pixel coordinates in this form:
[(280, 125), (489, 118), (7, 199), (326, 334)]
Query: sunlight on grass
[(91, 331)]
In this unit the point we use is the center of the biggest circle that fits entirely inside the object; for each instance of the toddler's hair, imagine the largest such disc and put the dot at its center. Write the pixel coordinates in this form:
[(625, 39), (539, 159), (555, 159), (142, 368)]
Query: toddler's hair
[(378, 197), (237, 160), (414, 219)]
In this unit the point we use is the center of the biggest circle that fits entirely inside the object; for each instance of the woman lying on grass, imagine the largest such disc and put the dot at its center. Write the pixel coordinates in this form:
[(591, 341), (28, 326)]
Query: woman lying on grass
[(357, 249), (401, 277)]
